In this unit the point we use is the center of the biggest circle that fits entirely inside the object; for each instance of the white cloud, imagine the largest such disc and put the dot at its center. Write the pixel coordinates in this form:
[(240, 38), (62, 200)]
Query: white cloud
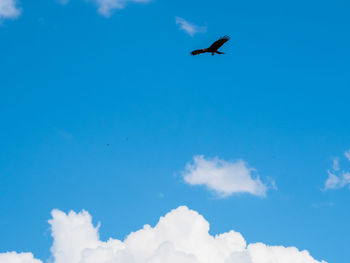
[(182, 235), (224, 178), (347, 154), (105, 7), (336, 166), (9, 9), (336, 181), (72, 233), (188, 27), (337, 178), (13, 257)]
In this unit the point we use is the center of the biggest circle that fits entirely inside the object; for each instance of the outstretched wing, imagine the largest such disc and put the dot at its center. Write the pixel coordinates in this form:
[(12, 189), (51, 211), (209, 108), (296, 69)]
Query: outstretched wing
[(217, 44), (198, 51)]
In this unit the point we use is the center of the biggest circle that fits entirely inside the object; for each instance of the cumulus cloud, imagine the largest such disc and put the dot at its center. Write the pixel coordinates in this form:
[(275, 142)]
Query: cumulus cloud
[(182, 235), (188, 27), (106, 7), (337, 178), (223, 177), (13, 257), (9, 9)]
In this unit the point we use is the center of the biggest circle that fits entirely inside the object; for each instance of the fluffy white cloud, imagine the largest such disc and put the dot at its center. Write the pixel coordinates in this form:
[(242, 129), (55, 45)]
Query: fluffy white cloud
[(337, 178), (9, 9), (188, 27), (224, 178), (106, 7), (182, 235), (13, 257), (72, 234)]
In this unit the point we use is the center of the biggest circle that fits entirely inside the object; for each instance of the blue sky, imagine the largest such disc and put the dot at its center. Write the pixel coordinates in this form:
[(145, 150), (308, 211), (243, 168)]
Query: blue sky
[(102, 112)]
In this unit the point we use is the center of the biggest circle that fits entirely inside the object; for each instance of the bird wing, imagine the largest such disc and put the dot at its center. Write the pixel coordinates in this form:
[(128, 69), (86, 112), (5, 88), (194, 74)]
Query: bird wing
[(196, 52), (217, 44)]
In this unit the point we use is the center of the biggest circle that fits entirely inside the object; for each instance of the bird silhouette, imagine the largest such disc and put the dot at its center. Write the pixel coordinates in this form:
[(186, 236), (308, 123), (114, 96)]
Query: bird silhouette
[(213, 48)]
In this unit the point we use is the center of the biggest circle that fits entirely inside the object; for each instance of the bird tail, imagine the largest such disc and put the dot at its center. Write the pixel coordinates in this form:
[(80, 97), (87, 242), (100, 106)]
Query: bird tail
[(198, 51)]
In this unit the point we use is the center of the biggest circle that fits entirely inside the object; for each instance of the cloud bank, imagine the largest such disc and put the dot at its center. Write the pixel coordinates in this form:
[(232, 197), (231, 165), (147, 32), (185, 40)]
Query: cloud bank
[(188, 27), (223, 177), (9, 9), (182, 235), (337, 178)]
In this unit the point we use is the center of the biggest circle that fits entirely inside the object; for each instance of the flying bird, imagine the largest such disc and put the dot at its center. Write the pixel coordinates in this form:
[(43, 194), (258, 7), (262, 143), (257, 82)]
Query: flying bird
[(213, 48)]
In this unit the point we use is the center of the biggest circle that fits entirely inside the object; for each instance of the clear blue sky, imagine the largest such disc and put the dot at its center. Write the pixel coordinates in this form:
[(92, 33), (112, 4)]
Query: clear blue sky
[(73, 81)]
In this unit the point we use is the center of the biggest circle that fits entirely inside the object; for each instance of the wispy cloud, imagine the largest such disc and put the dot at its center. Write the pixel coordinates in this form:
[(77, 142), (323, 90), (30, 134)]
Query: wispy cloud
[(224, 177), (9, 9), (335, 165), (337, 178), (182, 235), (188, 27), (322, 204), (63, 2), (106, 7), (347, 154)]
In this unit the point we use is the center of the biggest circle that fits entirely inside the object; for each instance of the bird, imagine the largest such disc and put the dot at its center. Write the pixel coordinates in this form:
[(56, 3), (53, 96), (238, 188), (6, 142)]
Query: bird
[(213, 48)]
